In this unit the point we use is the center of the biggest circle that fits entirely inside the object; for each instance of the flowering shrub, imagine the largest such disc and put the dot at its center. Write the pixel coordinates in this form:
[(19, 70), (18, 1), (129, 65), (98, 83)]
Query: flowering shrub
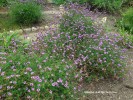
[(25, 13), (76, 23), (28, 74), (96, 55)]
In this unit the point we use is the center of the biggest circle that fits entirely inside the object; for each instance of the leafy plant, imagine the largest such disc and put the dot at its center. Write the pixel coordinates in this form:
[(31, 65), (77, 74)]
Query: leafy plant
[(58, 2), (25, 13), (108, 5), (3, 3), (7, 38), (127, 20)]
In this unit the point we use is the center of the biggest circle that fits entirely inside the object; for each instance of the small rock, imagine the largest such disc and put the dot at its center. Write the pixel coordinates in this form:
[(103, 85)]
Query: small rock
[(28, 37), (129, 80), (104, 19), (11, 31), (27, 30), (46, 27), (19, 31), (129, 85), (41, 28), (34, 29)]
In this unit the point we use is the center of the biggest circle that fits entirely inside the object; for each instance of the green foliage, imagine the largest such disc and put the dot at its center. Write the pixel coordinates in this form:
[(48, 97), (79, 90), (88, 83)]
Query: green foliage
[(127, 40), (58, 2), (3, 3), (108, 5), (7, 38), (127, 20), (25, 13)]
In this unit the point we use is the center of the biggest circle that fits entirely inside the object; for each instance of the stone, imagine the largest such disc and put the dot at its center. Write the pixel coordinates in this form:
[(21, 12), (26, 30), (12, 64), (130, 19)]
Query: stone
[(34, 28), (27, 30), (46, 27), (104, 19), (128, 84), (11, 31), (19, 31), (41, 28)]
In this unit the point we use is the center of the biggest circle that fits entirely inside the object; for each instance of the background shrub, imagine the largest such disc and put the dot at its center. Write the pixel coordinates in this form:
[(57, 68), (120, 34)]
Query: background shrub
[(127, 20), (25, 13), (58, 2), (3, 3), (108, 5)]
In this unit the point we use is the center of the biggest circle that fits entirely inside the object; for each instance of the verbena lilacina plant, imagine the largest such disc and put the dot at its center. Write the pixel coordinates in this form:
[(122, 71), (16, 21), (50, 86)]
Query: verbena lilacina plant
[(96, 55), (32, 73)]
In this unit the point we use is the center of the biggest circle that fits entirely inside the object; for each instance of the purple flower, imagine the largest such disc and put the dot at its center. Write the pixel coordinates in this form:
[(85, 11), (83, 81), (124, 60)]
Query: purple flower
[(55, 84), (59, 80)]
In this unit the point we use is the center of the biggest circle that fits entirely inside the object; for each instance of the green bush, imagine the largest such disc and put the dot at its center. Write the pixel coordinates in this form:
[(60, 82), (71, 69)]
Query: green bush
[(108, 5), (3, 3), (25, 13), (127, 20), (127, 40), (58, 2)]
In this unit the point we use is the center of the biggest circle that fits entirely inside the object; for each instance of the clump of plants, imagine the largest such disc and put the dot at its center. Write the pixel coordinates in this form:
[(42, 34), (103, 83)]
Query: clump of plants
[(3, 3), (127, 40), (25, 13), (108, 5), (28, 72), (58, 2), (95, 55), (127, 20), (76, 23)]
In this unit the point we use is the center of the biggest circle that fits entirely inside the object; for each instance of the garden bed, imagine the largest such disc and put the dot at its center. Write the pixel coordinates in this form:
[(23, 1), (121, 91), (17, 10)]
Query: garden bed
[(73, 57)]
